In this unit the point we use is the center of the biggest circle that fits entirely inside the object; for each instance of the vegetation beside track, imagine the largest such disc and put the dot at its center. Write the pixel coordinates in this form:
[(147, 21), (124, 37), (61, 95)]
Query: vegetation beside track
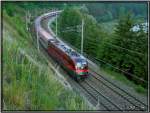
[(28, 82), (122, 50)]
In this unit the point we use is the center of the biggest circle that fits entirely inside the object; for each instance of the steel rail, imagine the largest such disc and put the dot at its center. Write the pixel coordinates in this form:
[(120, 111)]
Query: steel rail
[(94, 96), (119, 88), (106, 98), (128, 100)]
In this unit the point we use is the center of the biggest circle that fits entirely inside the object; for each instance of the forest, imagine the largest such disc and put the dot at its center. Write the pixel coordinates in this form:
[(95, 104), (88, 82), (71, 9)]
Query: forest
[(108, 11)]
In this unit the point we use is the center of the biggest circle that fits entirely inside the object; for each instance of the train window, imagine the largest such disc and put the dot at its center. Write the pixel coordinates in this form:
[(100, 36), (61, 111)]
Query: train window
[(68, 51), (81, 60), (52, 40), (56, 41), (73, 53), (63, 47)]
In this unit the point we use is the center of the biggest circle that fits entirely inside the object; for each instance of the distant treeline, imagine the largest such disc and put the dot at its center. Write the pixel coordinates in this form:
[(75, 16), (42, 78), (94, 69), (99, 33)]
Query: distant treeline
[(102, 11), (113, 10)]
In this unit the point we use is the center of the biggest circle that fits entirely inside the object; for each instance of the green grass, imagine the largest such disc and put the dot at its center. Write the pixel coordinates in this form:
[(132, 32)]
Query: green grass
[(28, 81), (140, 89)]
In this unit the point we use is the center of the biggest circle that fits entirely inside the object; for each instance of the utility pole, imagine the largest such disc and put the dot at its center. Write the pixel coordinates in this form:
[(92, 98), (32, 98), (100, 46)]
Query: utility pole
[(29, 15), (37, 39), (26, 22), (56, 25), (82, 36)]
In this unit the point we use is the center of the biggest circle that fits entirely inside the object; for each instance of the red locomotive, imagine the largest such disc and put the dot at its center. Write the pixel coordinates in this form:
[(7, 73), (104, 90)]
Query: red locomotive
[(72, 61)]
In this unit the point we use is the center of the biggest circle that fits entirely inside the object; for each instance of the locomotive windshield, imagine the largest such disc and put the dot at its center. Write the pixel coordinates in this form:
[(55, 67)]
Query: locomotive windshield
[(81, 63)]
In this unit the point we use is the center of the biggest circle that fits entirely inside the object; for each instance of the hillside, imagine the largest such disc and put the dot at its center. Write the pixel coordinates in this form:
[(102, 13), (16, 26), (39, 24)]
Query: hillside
[(108, 11), (28, 81)]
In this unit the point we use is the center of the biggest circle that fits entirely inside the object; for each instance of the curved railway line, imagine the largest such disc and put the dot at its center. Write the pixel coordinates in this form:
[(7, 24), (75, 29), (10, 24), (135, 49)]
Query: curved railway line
[(113, 86), (104, 94), (125, 100)]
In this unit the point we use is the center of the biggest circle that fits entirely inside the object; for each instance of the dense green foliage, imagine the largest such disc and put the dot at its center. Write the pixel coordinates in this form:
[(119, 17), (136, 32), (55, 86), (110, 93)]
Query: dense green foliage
[(124, 49), (127, 50), (28, 81), (108, 11), (73, 18)]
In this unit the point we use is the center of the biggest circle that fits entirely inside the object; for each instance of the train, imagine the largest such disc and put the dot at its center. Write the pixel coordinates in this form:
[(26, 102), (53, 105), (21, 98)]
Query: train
[(73, 62)]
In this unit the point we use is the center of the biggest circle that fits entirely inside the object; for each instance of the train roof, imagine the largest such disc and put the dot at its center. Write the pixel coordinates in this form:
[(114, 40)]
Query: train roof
[(45, 34), (57, 42), (64, 47)]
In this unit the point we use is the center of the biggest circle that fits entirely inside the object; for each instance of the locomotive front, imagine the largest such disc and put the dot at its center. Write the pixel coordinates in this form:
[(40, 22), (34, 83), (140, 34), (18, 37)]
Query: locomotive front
[(81, 66)]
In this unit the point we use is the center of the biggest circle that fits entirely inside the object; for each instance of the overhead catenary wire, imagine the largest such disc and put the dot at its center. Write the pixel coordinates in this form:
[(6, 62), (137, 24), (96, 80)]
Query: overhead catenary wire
[(135, 76), (131, 51), (131, 40), (115, 67), (82, 29), (71, 29)]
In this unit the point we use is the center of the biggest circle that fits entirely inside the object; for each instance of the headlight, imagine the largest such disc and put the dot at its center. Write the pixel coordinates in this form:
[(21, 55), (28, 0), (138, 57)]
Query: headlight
[(78, 65), (82, 67)]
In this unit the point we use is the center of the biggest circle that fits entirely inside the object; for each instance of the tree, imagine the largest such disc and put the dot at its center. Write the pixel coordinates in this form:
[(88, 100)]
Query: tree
[(91, 36), (72, 17), (130, 50)]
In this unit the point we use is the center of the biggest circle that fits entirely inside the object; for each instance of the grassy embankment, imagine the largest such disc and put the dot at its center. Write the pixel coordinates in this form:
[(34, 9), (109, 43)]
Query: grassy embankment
[(28, 82)]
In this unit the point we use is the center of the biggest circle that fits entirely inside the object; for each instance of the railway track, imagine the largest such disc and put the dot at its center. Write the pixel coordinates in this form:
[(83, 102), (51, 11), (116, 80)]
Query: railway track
[(125, 100), (78, 86), (98, 97), (104, 94), (102, 101)]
